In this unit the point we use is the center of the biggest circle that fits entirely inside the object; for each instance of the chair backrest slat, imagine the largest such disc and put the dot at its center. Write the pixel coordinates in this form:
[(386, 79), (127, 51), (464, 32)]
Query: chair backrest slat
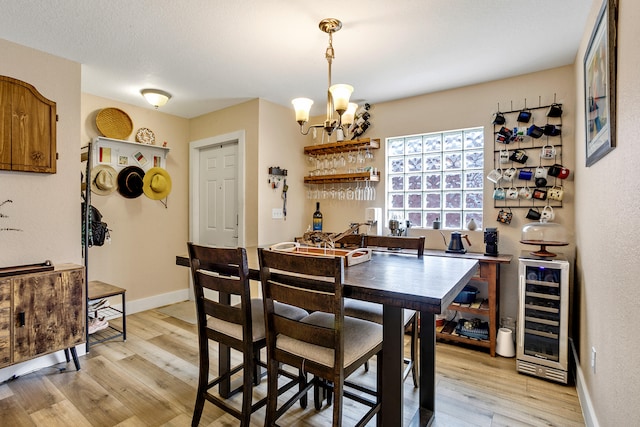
[(397, 242)]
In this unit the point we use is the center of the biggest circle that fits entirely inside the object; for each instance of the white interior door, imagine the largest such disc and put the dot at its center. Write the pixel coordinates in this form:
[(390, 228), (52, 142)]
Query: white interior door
[(219, 195), (217, 212)]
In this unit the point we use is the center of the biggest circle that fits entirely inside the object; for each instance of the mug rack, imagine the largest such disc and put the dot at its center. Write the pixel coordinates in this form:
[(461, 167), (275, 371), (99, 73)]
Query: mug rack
[(530, 147)]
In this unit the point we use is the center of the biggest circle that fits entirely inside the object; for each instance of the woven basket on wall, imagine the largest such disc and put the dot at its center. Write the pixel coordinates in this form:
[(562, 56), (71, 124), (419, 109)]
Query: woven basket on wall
[(114, 123)]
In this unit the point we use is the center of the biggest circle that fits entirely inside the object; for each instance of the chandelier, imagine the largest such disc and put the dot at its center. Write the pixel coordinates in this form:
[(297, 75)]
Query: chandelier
[(337, 95)]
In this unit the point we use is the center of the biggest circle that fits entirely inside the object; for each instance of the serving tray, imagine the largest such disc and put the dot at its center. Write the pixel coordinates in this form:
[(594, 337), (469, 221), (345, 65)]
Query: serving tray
[(351, 256)]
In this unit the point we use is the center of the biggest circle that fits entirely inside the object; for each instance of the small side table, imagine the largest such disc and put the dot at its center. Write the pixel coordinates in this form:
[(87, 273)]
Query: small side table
[(98, 290)]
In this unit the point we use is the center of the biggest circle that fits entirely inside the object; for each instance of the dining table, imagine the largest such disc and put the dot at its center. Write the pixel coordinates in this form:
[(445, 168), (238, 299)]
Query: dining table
[(398, 281)]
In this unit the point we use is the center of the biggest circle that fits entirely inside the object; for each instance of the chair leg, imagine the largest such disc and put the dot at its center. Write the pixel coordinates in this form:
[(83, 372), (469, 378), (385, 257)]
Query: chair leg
[(248, 379), (272, 393), (203, 382), (414, 352), (199, 406), (366, 366), (337, 403), (302, 383)]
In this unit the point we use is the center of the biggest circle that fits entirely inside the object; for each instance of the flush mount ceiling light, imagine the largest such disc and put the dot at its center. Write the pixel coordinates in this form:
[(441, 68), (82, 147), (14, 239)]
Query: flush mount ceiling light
[(156, 97), (337, 95)]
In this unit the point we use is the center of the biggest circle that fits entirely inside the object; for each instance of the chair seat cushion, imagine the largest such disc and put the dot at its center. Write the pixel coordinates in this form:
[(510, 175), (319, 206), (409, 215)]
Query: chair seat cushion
[(360, 337), (371, 311), (257, 316)]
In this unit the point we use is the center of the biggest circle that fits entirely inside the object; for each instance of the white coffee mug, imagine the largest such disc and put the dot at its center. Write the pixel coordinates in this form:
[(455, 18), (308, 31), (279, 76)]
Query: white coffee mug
[(504, 156), (495, 175), (548, 152), (512, 193), (509, 174), (540, 172), (547, 214), (525, 192)]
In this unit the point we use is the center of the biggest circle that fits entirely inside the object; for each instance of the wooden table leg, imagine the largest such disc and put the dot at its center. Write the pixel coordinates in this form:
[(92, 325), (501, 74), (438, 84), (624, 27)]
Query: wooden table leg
[(393, 362), (427, 370)]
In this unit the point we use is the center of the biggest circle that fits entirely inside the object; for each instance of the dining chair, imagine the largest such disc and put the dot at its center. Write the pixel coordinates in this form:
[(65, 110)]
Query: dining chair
[(351, 241), (326, 344), (240, 327), (373, 312)]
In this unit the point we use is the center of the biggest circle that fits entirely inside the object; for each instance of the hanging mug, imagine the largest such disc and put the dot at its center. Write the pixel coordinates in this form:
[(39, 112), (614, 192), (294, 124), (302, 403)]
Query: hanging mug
[(525, 174), (524, 116), (533, 214), (519, 156), (525, 192), (498, 119), (504, 216), (511, 193), (499, 193), (535, 131), (504, 135), (559, 171), (548, 152), (509, 174), (547, 214), (495, 175), (555, 110), (504, 156), (540, 172), (552, 130), (540, 193), (555, 193)]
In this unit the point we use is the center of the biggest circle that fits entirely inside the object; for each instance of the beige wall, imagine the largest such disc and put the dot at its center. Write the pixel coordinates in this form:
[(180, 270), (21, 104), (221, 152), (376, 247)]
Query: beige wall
[(280, 146), (145, 236), (607, 239), (45, 206)]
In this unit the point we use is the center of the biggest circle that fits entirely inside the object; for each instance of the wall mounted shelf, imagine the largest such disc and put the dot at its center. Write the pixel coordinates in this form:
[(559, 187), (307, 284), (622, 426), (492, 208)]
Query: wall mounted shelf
[(343, 177), (342, 146)]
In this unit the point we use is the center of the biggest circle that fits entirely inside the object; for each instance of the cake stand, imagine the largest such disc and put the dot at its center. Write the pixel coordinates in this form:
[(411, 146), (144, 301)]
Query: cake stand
[(543, 252)]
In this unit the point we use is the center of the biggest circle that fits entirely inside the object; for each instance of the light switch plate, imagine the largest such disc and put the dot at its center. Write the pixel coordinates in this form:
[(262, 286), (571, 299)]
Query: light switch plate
[(276, 213)]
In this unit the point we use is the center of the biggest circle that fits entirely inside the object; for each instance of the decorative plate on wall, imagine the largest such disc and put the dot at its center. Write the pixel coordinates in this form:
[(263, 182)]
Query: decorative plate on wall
[(114, 123), (145, 136)]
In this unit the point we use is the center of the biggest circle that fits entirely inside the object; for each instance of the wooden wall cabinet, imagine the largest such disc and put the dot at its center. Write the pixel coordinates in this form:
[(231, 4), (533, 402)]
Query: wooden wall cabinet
[(27, 128), (41, 313)]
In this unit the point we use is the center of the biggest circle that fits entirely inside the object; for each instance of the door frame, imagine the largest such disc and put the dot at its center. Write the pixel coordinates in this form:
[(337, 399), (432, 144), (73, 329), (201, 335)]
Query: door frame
[(194, 183)]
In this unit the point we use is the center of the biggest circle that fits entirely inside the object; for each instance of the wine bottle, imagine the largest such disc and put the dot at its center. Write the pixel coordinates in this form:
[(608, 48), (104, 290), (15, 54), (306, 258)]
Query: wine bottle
[(357, 132), (363, 118), (317, 218)]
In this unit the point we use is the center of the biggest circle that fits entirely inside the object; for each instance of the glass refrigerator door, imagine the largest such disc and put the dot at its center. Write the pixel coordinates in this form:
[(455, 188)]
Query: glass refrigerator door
[(542, 312)]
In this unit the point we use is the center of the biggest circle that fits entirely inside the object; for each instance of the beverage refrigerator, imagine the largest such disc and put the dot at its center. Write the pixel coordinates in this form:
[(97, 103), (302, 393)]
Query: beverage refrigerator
[(543, 317)]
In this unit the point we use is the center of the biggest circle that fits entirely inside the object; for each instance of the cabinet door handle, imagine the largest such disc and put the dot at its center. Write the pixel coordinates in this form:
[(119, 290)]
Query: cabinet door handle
[(21, 318)]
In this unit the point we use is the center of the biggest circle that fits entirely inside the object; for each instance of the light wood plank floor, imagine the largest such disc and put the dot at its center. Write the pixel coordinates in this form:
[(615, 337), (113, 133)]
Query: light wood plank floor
[(150, 380)]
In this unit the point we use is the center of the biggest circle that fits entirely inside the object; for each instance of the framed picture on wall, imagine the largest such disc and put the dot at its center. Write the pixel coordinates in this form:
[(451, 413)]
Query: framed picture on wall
[(600, 85)]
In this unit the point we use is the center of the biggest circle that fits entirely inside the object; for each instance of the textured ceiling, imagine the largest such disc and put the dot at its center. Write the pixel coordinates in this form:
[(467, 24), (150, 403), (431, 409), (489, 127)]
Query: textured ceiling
[(210, 54)]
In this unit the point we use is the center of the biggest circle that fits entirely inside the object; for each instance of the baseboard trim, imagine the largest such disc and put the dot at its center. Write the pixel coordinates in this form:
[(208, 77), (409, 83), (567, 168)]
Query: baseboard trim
[(156, 301), (588, 412)]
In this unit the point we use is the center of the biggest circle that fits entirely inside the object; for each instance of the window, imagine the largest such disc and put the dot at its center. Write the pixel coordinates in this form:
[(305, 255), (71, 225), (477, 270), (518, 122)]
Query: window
[(436, 176)]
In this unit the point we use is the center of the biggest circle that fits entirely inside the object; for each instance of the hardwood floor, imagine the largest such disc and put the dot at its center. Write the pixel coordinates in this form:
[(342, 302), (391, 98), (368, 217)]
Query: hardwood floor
[(150, 380)]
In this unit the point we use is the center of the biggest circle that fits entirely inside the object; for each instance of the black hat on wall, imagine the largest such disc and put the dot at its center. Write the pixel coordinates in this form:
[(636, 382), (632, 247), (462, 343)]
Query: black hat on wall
[(130, 182)]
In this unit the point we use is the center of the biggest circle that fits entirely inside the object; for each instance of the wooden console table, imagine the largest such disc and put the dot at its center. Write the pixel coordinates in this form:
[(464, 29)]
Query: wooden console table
[(489, 273)]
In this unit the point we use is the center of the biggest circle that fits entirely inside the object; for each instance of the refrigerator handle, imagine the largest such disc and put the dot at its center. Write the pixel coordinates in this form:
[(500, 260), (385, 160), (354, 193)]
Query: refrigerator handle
[(521, 292)]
